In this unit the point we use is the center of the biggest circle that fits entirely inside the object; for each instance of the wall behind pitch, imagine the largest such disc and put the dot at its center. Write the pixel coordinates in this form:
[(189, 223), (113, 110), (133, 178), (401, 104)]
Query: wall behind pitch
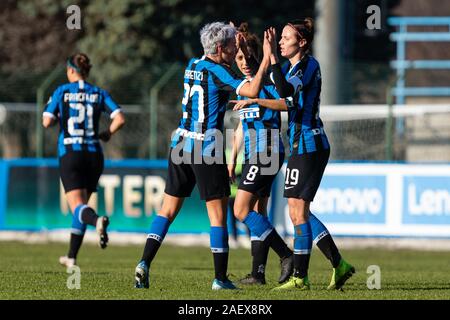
[(363, 199), (354, 199)]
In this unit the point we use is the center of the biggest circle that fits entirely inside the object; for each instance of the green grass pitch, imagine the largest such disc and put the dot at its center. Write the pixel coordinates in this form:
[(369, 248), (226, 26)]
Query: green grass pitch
[(32, 272)]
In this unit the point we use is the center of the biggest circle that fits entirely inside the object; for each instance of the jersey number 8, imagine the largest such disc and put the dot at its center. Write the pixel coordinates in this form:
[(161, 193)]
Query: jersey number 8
[(251, 175)]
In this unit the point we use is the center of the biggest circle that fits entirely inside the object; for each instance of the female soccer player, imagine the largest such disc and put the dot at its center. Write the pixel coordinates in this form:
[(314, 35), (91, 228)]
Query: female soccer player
[(197, 152), (77, 107), (300, 84), (255, 129)]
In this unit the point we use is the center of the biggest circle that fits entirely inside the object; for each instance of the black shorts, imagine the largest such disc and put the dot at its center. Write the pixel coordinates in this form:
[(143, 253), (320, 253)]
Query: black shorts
[(257, 178), (304, 173), (212, 179), (81, 170)]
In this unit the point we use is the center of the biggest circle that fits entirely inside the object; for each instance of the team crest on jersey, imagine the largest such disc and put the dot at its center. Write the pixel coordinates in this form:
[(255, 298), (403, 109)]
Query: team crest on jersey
[(249, 113)]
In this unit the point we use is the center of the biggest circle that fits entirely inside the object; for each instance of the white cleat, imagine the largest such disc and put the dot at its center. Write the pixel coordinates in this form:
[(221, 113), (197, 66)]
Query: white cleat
[(67, 262)]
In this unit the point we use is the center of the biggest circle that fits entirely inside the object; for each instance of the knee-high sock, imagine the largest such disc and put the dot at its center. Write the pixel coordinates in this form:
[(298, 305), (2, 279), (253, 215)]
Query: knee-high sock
[(88, 216), (302, 249), (261, 227), (324, 240), (260, 252), (219, 247), (158, 231), (77, 232)]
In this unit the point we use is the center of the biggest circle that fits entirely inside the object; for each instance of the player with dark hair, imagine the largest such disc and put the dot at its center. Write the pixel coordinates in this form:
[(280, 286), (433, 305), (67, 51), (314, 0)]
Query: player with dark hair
[(77, 107), (259, 129), (299, 83), (197, 151)]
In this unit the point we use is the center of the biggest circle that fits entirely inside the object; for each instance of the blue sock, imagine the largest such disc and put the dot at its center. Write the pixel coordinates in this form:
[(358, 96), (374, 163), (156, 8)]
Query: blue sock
[(219, 239), (302, 249), (159, 228), (158, 231), (258, 224), (77, 232), (78, 226), (254, 237), (219, 247), (317, 228), (322, 237)]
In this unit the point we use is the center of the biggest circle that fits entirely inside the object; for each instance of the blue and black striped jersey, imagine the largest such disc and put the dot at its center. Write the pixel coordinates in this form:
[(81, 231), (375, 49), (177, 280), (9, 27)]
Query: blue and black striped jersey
[(306, 132), (207, 87), (257, 123), (78, 106)]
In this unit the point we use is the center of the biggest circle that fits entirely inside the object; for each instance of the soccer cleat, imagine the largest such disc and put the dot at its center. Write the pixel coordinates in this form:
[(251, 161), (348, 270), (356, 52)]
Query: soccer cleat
[(141, 276), (223, 285), (340, 275), (102, 225), (287, 268), (251, 280), (295, 283), (67, 262)]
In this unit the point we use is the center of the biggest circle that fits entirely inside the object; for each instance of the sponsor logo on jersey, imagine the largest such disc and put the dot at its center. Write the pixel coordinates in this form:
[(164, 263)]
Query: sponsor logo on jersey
[(249, 113)]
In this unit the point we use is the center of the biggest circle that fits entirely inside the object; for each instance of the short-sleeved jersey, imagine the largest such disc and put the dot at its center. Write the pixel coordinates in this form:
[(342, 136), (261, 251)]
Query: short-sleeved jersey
[(78, 106), (207, 88), (306, 132), (257, 123)]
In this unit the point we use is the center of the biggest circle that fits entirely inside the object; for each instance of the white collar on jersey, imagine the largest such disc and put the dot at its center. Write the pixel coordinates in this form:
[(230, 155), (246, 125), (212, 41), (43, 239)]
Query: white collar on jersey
[(292, 67), (81, 84)]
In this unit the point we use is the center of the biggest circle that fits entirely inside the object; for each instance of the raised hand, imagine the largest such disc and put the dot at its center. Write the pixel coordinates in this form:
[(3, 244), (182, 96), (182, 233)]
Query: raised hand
[(272, 39), (267, 50)]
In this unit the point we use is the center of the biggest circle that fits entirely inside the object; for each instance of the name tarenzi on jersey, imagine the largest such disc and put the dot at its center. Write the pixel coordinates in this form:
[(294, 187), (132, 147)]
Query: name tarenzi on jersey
[(193, 75), (80, 97)]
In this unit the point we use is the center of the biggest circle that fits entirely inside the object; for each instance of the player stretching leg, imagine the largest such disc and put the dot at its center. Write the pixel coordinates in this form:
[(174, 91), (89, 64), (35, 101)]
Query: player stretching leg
[(300, 83), (208, 82), (77, 107)]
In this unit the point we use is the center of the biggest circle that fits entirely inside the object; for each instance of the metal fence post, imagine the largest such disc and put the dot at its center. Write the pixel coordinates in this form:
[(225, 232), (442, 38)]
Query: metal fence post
[(40, 101), (389, 125), (154, 92)]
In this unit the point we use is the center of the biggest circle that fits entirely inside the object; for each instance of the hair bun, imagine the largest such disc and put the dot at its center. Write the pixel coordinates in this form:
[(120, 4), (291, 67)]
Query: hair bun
[(309, 24), (243, 27), (82, 63)]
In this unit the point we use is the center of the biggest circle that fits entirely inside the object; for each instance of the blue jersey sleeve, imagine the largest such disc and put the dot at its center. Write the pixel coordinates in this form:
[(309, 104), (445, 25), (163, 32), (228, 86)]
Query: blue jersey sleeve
[(110, 106), (53, 105), (225, 79), (269, 92)]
